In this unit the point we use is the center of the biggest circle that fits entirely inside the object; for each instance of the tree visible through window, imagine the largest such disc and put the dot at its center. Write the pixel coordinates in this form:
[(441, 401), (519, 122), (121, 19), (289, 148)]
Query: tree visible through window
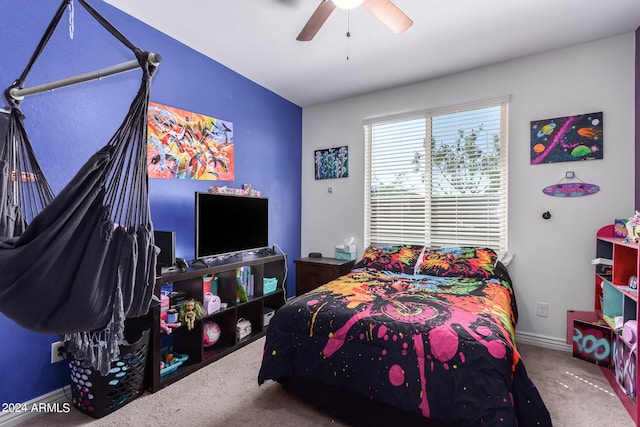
[(438, 178)]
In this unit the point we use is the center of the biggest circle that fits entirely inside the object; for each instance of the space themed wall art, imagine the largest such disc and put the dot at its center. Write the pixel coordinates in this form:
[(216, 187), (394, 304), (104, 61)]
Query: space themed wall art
[(565, 139)]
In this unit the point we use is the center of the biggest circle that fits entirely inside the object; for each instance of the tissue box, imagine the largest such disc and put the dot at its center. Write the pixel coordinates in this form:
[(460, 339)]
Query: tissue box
[(346, 252)]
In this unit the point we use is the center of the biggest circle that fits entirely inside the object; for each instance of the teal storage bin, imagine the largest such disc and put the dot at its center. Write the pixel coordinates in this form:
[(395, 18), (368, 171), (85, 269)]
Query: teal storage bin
[(269, 285)]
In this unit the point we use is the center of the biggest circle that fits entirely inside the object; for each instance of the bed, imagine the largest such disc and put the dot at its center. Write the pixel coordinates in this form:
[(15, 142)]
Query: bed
[(411, 335)]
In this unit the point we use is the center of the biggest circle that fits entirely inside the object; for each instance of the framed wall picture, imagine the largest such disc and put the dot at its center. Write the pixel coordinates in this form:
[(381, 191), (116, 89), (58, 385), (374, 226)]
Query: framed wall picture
[(565, 139), (186, 145), (331, 163)]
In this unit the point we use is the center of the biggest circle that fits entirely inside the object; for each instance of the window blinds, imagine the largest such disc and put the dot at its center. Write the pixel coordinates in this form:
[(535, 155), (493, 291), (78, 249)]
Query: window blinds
[(438, 177)]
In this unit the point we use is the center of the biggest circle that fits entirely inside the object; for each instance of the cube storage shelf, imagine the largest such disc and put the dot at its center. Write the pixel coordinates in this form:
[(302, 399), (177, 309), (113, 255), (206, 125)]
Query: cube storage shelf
[(191, 283), (614, 298)]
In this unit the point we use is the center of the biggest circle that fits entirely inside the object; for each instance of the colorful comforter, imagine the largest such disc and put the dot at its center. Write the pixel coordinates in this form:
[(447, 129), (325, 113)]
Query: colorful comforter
[(439, 346)]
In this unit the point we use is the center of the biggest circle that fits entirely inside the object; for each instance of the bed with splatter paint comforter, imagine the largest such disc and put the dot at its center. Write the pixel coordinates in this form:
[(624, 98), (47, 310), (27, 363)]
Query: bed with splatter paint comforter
[(430, 332)]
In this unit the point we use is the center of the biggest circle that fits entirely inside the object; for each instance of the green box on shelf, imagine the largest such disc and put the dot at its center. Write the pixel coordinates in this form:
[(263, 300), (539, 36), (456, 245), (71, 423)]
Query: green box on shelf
[(612, 301), (269, 285)]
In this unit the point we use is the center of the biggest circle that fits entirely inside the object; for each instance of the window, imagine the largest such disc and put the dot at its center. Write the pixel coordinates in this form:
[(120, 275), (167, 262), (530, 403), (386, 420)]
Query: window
[(438, 178)]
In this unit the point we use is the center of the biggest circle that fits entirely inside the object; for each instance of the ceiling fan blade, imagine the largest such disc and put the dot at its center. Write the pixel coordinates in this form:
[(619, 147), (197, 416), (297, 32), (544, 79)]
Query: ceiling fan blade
[(389, 14), (316, 21), (287, 2)]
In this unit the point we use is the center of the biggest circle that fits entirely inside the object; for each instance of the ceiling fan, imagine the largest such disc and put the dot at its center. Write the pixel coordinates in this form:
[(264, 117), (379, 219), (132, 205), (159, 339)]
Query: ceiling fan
[(384, 10)]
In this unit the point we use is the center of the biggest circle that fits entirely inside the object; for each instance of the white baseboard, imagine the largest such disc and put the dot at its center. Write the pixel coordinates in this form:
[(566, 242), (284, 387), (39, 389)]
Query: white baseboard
[(552, 343), (52, 401)]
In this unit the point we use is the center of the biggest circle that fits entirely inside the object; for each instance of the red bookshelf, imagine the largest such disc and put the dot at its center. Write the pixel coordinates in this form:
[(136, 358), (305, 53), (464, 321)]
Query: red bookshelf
[(618, 300)]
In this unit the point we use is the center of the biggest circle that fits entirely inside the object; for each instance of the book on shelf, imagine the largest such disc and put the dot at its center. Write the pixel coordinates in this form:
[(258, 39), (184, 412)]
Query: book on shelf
[(601, 261), (245, 282)]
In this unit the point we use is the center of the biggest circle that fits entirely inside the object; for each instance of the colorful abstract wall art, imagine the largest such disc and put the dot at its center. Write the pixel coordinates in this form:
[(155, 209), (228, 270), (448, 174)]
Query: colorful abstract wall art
[(332, 163), (566, 139), (186, 145)]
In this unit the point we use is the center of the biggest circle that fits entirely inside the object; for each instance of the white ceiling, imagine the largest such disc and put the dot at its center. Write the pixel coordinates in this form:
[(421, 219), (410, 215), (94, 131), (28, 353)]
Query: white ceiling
[(257, 38)]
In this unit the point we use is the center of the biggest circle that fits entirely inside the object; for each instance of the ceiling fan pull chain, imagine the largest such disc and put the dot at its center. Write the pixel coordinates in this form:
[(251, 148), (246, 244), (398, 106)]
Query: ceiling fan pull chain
[(348, 32)]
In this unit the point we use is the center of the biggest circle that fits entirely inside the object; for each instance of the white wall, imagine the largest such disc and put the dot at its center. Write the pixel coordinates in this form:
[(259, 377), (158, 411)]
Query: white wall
[(552, 257)]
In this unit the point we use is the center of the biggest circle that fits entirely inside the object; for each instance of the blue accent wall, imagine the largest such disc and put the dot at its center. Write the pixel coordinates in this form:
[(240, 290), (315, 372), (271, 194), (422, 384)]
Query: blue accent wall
[(66, 126)]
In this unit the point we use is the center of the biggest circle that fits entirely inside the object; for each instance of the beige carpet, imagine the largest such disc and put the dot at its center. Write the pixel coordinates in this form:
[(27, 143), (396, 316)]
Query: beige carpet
[(226, 393)]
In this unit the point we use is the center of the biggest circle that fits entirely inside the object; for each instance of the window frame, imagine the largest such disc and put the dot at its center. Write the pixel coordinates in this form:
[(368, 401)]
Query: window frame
[(495, 232)]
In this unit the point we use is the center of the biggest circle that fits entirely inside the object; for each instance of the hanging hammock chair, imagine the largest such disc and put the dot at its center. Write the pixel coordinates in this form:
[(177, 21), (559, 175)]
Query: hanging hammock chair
[(80, 263)]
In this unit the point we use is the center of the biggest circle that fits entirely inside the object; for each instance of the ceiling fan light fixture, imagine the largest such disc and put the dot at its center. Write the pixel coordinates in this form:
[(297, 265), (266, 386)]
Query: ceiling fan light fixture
[(384, 10), (347, 4)]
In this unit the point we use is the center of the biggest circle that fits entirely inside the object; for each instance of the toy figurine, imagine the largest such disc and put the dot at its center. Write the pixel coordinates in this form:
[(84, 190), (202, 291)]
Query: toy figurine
[(633, 228), (191, 311), (165, 326)]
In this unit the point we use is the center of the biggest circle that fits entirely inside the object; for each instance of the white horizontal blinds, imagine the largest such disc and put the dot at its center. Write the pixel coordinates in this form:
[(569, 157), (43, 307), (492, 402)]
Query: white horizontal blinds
[(467, 193), (452, 189), (395, 195)]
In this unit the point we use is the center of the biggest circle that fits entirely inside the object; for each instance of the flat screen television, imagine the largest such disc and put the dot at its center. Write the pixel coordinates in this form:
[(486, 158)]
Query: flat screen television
[(226, 224)]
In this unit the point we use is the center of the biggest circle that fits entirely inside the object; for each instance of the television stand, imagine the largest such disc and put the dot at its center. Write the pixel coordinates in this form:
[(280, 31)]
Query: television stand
[(192, 284)]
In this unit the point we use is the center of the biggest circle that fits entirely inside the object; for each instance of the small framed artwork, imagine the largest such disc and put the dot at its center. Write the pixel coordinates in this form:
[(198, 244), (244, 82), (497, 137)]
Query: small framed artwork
[(331, 163), (566, 139)]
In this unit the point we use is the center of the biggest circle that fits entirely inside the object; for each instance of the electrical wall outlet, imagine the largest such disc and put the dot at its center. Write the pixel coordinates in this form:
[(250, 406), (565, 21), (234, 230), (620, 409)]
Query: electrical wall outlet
[(542, 309), (57, 352)]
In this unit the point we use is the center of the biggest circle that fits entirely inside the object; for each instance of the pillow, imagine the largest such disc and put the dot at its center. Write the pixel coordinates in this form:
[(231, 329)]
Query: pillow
[(393, 258), (459, 261)]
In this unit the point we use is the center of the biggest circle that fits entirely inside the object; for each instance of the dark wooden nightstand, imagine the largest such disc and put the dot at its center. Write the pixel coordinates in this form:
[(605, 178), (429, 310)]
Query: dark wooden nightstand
[(313, 272)]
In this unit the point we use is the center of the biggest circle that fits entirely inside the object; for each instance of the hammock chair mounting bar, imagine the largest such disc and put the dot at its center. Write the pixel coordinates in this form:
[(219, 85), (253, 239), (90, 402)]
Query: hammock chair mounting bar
[(19, 94)]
